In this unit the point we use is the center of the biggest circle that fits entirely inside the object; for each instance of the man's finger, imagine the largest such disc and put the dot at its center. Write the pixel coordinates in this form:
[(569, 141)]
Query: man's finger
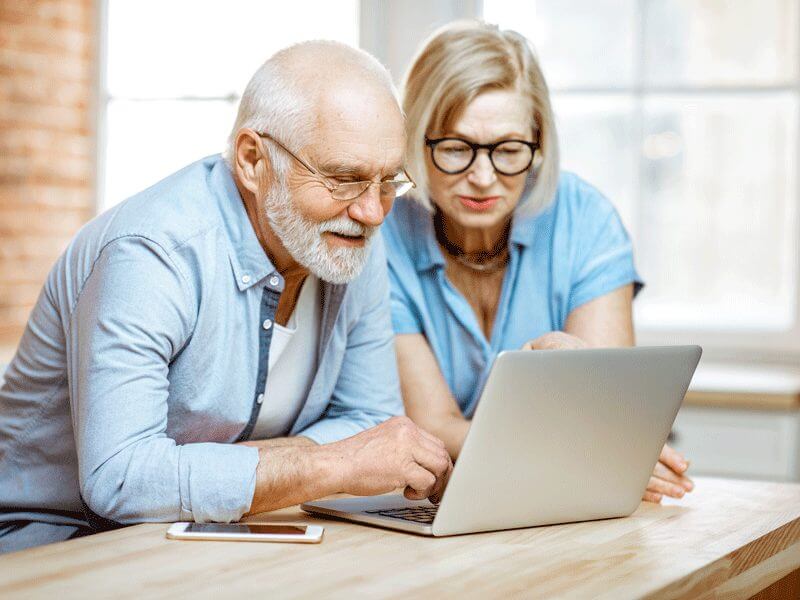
[(441, 484), (664, 472), (420, 483), (431, 437), (433, 448), (433, 459), (659, 486)]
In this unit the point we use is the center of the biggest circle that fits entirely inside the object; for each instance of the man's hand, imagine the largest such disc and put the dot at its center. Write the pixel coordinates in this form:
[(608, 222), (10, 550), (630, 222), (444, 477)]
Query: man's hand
[(555, 340), (394, 454), (668, 477)]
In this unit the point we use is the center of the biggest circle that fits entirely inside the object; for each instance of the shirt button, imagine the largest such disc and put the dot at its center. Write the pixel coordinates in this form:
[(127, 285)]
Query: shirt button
[(274, 280), (245, 278), (260, 398), (266, 324)]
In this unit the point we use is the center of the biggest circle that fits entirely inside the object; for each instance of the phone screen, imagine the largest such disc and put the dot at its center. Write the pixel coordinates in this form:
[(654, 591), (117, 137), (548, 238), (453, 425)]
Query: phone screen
[(245, 528)]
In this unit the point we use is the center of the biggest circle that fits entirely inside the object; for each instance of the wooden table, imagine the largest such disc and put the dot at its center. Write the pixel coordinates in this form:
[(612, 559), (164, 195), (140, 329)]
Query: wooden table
[(728, 539)]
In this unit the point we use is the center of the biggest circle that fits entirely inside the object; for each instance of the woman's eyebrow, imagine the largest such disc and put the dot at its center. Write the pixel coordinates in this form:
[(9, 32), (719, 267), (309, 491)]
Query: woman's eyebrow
[(509, 135)]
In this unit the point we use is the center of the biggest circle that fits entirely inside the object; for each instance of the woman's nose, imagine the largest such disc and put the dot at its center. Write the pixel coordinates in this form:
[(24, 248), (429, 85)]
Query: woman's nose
[(481, 173)]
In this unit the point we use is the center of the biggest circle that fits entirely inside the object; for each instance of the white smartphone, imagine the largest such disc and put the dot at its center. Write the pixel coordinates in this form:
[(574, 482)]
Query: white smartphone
[(247, 532)]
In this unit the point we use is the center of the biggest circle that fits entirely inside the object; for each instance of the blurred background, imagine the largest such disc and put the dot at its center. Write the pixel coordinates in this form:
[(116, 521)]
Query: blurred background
[(683, 112)]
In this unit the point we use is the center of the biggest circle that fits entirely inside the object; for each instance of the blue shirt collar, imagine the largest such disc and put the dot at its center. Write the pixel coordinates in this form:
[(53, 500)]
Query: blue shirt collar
[(249, 261)]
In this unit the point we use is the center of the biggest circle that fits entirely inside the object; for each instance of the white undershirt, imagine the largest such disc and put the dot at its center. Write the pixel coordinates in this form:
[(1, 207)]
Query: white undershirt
[(292, 364)]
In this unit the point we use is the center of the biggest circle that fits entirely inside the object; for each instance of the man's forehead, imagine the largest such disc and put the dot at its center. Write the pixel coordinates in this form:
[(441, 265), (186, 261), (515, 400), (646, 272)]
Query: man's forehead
[(358, 131)]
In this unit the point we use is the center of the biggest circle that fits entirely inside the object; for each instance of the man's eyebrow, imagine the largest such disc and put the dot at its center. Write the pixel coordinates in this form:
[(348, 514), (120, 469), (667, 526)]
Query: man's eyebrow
[(396, 172), (335, 168)]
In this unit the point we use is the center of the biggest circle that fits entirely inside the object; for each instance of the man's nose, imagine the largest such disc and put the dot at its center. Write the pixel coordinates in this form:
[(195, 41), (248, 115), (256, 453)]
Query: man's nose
[(368, 208), (481, 172)]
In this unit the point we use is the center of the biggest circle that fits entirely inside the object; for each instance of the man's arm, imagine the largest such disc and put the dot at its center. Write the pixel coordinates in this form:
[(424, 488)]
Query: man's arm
[(395, 454), (134, 313), (296, 441)]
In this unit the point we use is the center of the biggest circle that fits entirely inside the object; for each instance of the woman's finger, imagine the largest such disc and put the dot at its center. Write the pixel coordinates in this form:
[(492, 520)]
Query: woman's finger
[(664, 472), (651, 497), (660, 486), (673, 459)]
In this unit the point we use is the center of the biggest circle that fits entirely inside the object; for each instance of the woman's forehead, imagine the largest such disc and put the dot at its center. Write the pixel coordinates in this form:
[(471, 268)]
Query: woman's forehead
[(495, 113)]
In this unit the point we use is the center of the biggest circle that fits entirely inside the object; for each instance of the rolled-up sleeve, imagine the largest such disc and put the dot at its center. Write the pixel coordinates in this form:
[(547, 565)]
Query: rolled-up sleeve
[(132, 317), (367, 391)]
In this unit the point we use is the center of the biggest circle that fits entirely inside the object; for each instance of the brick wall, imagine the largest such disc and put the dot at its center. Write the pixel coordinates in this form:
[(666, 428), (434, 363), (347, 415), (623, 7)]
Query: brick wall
[(47, 107)]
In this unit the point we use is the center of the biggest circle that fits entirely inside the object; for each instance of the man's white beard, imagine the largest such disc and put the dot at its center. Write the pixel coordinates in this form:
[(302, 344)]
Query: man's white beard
[(303, 239)]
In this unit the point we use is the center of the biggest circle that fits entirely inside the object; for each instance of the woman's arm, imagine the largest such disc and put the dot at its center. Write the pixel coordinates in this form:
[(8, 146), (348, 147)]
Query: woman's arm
[(604, 322), (427, 398)]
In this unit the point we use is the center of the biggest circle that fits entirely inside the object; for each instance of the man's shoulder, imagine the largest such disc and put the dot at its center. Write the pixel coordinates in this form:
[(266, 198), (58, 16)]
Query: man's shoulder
[(167, 219), (170, 212)]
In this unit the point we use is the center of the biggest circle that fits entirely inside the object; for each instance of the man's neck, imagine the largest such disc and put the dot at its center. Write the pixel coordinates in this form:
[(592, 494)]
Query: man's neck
[(293, 273), (277, 253)]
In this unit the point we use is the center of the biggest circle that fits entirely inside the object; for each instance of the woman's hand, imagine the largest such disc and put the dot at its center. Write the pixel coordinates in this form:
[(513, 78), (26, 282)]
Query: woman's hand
[(555, 340), (668, 477)]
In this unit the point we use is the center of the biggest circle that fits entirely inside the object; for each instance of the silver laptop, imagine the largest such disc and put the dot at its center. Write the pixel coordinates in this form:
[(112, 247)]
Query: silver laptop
[(558, 436)]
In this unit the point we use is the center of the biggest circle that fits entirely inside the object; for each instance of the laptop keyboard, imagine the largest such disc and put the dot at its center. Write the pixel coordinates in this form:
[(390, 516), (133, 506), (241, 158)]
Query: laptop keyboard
[(416, 514)]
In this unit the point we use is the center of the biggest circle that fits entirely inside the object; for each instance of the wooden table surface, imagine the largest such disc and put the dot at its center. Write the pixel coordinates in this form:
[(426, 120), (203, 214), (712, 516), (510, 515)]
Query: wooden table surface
[(727, 539)]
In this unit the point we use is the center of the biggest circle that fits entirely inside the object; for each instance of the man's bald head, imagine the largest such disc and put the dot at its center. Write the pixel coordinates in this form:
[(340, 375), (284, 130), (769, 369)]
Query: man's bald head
[(287, 94)]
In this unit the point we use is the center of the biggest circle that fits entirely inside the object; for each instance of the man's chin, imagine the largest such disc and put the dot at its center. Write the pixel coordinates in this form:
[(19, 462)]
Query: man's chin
[(339, 271)]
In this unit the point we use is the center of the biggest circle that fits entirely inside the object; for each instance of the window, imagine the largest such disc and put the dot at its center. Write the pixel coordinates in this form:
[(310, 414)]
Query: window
[(685, 114), (174, 71)]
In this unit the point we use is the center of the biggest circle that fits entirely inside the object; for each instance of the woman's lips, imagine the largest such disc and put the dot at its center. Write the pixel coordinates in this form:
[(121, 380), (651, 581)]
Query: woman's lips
[(478, 203)]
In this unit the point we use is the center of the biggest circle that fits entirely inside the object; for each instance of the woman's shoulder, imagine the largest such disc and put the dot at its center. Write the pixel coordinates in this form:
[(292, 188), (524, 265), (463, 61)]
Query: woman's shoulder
[(576, 195), (577, 210)]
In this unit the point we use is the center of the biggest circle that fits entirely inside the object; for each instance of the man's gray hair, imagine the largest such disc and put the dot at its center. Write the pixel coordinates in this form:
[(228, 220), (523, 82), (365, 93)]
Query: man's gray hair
[(282, 94)]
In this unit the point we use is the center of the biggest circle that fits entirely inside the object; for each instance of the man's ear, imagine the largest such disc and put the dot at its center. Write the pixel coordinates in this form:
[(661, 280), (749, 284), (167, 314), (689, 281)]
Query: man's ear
[(250, 162)]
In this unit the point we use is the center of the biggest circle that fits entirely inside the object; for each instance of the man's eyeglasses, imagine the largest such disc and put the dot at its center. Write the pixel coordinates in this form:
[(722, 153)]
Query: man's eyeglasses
[(453, 155), (350, 190)]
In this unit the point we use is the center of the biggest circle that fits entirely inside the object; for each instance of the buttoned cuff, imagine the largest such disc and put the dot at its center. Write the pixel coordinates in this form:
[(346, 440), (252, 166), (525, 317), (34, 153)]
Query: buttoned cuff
[(217, 481)]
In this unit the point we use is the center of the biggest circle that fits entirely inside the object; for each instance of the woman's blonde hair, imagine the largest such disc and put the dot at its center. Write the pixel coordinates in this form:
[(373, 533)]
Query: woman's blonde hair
[(456, 64)]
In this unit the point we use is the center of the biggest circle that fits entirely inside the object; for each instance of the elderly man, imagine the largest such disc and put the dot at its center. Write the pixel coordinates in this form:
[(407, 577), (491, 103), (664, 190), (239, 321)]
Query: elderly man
[(220, 344)]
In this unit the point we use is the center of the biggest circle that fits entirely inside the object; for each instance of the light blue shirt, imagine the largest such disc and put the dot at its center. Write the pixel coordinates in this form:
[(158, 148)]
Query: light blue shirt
[(146, 356), (570, 253)]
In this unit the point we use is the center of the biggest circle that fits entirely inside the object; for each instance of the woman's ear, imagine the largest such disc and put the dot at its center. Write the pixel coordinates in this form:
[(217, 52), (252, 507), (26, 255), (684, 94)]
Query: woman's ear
[(249, 152)]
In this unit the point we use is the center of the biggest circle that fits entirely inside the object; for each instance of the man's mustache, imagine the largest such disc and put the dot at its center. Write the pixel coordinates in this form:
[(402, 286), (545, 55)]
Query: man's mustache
[(345, 226)]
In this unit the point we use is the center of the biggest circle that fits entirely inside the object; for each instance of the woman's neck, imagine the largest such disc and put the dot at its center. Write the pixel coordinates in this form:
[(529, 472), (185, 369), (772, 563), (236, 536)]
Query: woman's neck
[(472, 241)]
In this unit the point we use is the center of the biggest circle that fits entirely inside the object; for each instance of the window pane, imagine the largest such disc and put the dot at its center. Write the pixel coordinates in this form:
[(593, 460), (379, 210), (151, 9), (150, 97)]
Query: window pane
[(719, 42), (148, 140), (718, 212), (597, 138), (163, 49), (567, 36)]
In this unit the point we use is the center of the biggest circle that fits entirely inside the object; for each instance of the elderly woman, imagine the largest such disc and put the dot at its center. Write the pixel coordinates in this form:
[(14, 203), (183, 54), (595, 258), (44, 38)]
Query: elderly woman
[(497, 249)]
